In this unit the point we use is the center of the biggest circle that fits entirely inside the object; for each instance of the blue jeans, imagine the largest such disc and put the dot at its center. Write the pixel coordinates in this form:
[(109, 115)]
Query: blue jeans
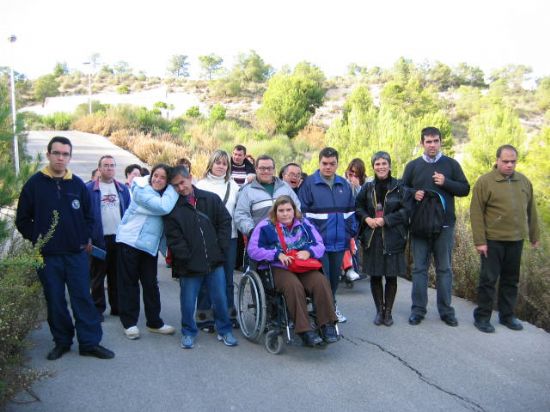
[(72, 270), (332, 268), (189, 290), (422, 250), (203, 304)]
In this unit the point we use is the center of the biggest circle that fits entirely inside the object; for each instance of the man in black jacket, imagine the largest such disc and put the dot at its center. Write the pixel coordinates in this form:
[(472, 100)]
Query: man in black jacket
[(435, 172), (198, 231)]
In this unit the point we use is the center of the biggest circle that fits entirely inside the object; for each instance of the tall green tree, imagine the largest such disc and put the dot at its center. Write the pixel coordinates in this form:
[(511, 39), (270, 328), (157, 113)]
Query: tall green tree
[(252, 68), (494, 126), (45, 86), (178, 66), (210, 65)]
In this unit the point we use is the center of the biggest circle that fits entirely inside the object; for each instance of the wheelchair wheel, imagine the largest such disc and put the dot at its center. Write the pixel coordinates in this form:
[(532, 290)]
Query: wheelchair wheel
[(251, 311), (274, 342)]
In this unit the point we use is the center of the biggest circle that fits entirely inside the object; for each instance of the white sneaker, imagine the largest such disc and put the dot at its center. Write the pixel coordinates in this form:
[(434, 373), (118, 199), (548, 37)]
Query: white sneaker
[(352, 275), (163, 330), (341, 318), (132, 332)]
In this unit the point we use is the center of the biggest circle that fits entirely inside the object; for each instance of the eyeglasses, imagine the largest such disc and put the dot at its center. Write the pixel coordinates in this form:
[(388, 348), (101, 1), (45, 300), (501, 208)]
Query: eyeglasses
[(293, 175), (265, 168), (64, 155)]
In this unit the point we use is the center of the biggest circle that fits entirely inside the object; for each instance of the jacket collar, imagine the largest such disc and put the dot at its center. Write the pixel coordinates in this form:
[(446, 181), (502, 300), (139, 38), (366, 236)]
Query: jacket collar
[(46, 171), (338, 180), (500, 178)]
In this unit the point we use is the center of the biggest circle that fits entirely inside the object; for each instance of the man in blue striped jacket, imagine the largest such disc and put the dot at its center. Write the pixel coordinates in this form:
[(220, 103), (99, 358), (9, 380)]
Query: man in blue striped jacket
[(327, 201)]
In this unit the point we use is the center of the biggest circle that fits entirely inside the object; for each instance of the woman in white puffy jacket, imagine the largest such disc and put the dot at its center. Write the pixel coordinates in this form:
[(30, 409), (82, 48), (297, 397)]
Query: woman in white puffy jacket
[(139, 237), (217, 179)]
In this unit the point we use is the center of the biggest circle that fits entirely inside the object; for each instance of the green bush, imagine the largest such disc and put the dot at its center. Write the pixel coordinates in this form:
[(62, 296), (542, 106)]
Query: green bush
[(123, 89), (193, 112), (58, 121), (217, 112), (20, 308)]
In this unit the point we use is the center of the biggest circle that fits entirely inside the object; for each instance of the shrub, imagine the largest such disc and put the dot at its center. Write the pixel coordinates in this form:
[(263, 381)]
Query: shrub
[(123, 89), (58, 121), (20, 291), (193, 112), (217, 112)]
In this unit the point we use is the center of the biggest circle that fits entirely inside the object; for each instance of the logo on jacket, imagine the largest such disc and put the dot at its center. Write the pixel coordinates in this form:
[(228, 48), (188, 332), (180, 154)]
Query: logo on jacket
[(76, 204)]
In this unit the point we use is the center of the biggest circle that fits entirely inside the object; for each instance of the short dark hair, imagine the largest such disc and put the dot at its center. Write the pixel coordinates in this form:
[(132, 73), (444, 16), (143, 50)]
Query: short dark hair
[(430, 131), (145, 171), (104, 157), (179, 170), (506, 147), (285, 168), (59, 139), (240, 148), (93, 173), (184, 161), (328, 152), (264, 157), (164, 166), (130, 168)]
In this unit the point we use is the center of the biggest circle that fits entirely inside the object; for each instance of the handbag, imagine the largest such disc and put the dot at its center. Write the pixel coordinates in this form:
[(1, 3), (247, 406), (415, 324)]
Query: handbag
[(297, 265)]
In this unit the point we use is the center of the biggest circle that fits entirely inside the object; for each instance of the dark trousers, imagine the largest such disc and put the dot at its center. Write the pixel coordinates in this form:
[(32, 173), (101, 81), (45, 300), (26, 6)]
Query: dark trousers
[(134, 267), (70, 270), (503, 260), (295, 287), (422, 250), (332, 268), (98, 269)]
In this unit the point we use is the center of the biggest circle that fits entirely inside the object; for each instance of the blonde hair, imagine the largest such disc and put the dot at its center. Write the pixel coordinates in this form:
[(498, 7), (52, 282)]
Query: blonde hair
[(214, 157)]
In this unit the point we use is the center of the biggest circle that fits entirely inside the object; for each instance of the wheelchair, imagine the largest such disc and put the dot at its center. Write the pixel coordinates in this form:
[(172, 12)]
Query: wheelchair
[(262, 311)]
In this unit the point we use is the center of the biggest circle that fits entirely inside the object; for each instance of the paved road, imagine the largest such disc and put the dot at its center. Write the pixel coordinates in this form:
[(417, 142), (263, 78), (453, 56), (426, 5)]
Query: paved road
[(430, 367)]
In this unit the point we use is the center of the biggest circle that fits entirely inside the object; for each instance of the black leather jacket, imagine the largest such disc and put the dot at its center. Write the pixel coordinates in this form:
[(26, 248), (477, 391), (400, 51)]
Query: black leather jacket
[(396, 215)]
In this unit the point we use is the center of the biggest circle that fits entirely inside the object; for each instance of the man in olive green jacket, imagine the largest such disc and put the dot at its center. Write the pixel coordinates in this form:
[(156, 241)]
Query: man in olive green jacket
[(503, 214)]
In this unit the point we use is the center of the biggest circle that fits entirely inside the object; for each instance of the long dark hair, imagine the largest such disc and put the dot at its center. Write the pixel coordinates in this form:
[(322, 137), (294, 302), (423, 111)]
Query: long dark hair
[(166, 169)]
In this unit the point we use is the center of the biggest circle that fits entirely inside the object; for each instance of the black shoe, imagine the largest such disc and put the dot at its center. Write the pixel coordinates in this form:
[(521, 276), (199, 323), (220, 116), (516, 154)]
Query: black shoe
[(484, 326), (98, 351), (388, 319), (379, 318), (311, 339), (329, 334), (57, 352), (511, 323), (449, 320), (415, 319)]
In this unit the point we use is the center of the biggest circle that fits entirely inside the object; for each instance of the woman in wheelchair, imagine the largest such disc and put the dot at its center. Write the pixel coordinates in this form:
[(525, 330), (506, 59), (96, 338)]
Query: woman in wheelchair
[(298, 234)]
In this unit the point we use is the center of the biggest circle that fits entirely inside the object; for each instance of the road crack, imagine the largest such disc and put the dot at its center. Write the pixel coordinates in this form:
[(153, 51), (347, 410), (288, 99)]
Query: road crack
[(469, 403)]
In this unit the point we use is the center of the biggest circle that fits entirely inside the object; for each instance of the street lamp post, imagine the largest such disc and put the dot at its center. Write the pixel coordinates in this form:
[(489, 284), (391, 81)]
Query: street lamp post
[(89, 87), (12, 39)]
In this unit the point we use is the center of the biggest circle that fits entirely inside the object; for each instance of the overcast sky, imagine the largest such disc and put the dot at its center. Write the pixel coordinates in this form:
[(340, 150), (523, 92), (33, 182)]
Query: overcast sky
[(330, 34)]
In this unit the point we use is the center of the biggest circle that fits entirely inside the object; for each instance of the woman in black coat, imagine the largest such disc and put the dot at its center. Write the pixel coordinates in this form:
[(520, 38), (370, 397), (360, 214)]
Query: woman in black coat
[(383, 216)]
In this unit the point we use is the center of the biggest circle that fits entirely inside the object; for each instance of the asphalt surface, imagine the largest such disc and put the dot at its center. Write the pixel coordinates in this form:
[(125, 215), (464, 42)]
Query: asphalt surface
[(373, 368)]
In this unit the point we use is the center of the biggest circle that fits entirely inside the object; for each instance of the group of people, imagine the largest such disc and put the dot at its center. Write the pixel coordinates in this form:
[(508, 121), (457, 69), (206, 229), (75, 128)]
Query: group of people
[(115, 230)]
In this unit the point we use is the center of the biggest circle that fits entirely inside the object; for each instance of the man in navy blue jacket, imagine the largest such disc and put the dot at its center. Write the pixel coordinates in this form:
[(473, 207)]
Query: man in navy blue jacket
[(55, 188), (327, 201), (110, 199), (435, 172)]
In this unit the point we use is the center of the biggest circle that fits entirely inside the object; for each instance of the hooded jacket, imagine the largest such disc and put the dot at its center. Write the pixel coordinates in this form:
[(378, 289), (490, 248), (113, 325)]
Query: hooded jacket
[(41, 195), (141, 226)]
